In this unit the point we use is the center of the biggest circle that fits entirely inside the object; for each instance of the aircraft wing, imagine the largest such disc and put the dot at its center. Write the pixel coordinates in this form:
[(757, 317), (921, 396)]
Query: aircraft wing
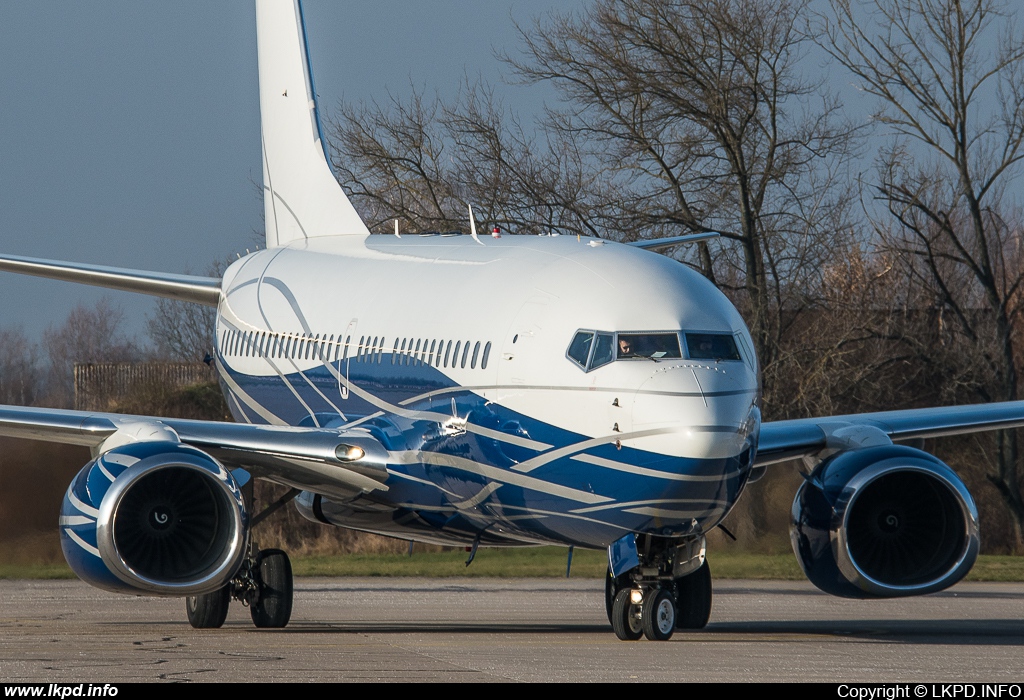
[(789, 439), (316, 459)]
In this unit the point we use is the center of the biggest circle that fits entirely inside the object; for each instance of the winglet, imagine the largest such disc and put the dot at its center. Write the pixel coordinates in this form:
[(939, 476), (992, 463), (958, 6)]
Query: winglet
[(661, 243), (302, 199)]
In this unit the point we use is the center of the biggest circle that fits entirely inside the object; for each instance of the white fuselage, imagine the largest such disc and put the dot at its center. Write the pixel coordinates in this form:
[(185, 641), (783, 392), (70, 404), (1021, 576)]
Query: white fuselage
[(337, 331)]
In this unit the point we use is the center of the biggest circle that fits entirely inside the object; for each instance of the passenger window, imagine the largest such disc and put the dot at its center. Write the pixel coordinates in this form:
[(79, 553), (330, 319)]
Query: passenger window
[(604, 350), (448, 349), (711, 346), (579, 348), (455, 355), (430, 355), (476, 351), (487, 353), (465, 355)]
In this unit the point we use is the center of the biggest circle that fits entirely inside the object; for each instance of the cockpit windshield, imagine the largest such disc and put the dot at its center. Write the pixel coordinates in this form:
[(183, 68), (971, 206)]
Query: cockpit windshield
[(591, 349), (711, 346), (648, 345)]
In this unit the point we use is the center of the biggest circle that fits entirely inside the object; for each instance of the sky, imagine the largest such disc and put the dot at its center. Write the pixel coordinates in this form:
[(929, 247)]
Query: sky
[(129, 134)]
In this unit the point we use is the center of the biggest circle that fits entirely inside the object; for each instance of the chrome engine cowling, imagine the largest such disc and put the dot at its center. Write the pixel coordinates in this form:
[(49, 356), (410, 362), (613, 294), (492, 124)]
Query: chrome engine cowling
[(154, 518), (884, 521)]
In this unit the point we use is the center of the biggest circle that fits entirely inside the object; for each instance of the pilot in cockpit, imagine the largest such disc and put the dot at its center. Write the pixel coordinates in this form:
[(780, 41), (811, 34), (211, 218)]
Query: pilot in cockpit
[(626, 347)]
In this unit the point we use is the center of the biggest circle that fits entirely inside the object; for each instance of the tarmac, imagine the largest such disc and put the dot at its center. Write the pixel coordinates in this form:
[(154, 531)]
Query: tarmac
[(484, 630)]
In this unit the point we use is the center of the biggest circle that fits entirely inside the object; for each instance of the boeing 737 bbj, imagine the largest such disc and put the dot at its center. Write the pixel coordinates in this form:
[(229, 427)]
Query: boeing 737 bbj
[(466, 390)]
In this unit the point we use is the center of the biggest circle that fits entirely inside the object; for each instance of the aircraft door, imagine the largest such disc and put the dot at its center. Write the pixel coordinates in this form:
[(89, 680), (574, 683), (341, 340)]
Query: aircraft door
[(347, 341), (519, 350)]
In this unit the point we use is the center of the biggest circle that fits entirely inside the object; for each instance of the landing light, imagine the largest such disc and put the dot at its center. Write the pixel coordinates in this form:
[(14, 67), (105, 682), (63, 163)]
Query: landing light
[(349, 453), (636, 596)]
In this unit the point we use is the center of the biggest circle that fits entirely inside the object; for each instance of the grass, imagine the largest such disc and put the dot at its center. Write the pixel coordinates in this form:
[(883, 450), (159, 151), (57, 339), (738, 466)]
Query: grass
[(535, 562)]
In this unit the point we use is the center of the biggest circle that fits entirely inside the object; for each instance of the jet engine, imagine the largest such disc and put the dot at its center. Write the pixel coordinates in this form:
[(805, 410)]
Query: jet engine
[(154, 518), (884, 521)]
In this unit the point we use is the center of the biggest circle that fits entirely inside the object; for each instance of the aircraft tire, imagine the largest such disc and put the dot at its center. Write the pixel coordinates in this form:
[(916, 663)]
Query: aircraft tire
[(625, 620), (659, 616), (693, 599), (274, 607), (209, 610), (612, 586)]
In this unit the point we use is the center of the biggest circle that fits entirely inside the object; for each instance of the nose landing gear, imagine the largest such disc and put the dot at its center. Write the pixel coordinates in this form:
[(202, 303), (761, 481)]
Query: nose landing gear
[(644, 613), (670, 590)]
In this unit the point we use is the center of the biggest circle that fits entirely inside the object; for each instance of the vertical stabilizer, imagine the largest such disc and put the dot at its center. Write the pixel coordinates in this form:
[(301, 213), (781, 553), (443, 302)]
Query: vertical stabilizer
[(301, 197)]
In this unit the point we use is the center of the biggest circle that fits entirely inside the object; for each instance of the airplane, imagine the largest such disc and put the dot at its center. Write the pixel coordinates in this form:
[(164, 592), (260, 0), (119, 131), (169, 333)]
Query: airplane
[(502, 390)]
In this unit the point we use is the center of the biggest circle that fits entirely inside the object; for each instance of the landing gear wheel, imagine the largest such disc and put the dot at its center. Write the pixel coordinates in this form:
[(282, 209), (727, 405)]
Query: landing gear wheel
[(659, 616), (609, 594), (693, 599), (612, 585), (274, 607), (626, 617), (209, 610)]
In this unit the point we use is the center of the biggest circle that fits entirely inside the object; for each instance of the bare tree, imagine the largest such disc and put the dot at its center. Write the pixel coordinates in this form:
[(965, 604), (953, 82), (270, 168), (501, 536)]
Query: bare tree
[(423, 161), (183, 331), (949, 78), (687, 115), (700, 119), (392, 161), (20, 378), (88, 335)]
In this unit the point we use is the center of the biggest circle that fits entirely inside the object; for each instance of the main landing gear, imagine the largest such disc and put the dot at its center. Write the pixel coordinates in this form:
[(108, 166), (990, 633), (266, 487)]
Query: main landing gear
[(263, 584), (670, 590)]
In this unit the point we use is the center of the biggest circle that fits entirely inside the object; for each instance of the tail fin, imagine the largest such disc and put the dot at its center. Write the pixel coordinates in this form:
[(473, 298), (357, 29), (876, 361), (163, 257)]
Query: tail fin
[(301, 197)]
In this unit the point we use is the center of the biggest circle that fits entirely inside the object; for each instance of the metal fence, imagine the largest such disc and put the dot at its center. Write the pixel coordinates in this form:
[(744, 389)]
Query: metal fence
[(97, 386)]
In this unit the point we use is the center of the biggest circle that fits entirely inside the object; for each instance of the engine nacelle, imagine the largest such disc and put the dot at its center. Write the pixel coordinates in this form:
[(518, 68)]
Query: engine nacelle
[(884, 521), (154, 518)]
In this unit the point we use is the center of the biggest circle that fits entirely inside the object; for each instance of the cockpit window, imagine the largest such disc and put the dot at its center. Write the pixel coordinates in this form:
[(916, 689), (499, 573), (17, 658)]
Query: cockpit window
[(711, 346), (648, 345), (604, 350), (579, 348)]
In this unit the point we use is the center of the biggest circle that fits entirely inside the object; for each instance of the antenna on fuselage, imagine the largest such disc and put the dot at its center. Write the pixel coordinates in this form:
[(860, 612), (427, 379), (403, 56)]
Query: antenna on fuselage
[(472, 225), (397, 234)]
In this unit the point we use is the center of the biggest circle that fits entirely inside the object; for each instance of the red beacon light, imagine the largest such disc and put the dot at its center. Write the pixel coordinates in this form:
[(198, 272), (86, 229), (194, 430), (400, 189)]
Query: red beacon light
[(496, 233)]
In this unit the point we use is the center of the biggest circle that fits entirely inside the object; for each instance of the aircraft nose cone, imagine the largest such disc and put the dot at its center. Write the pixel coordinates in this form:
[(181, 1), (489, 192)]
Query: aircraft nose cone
[(695, 410)]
